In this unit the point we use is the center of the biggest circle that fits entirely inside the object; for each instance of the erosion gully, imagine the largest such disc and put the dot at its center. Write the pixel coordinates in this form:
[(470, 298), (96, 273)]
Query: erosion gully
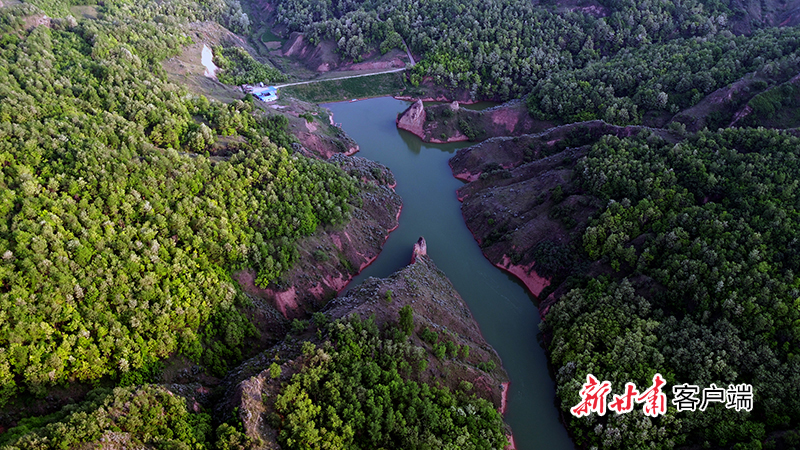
[(505, 311)]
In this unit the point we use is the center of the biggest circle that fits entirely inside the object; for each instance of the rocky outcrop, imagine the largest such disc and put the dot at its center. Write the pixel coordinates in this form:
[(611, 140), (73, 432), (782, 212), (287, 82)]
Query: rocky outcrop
[(320, 143), (317, 135), (420, 250), (724, 100), (37, 20), (332, 256), (751, 14), (526, 273), (294, 45), (324, 56), (413, 119), (450, 123), (788, 117), (436, 305)]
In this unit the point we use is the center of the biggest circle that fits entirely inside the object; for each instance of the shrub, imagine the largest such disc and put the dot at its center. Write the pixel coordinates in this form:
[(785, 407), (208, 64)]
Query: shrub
[(406, 319), (298, 326), (429, 336), (487, 366), (274, 370)]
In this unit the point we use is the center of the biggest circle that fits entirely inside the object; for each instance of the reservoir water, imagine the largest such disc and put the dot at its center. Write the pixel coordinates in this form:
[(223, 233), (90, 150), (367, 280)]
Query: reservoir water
[(503, 308)]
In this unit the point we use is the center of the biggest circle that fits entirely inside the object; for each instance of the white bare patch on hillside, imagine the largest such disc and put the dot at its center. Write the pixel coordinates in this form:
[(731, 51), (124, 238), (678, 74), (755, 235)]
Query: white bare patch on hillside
[(208, 61)]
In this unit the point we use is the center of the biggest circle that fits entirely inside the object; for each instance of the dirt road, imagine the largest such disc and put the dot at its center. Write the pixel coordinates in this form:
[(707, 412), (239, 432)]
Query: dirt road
[(340, 78)]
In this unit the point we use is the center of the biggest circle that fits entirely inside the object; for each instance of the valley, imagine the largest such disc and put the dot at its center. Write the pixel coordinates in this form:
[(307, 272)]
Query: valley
[(595, 189)]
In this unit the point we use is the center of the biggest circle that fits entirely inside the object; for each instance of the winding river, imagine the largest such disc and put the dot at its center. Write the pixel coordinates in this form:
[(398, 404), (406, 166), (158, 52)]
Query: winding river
[(505, 311)]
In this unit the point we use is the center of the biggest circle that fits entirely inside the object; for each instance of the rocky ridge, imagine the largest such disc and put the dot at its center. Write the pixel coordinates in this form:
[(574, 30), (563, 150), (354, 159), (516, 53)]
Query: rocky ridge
[(436, 305)]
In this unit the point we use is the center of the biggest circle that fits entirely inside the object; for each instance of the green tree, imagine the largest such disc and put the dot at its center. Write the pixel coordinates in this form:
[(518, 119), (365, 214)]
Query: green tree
[(407, 319)]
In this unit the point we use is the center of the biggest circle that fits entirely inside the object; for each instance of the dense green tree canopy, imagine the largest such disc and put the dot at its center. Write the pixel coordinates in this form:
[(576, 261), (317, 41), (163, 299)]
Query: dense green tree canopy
[(357, 391), (117, 236), (137, 416), (634, 56), (238, 67), (716, 219)]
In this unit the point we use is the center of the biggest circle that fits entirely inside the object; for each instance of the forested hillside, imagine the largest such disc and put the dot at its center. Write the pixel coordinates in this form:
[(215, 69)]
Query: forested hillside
[(651, 254), (357, 390), (341, 381), (119, 230), (395, 362), (663, 78), (688, 265), (612, 61), (702, 239), (117, 234), (145, 417)]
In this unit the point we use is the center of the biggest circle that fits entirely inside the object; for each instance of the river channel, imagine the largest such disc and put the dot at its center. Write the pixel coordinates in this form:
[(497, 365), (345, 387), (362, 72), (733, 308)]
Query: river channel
[(503, 308)]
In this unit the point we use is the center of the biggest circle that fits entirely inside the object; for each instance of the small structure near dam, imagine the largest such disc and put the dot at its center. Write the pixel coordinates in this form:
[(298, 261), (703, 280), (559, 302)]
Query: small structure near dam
[(264, 93)]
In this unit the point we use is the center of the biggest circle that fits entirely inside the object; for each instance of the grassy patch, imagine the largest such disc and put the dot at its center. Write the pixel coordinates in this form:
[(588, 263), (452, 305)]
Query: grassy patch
[(269, 36), (85, 11), (778, 107), (337, 90)]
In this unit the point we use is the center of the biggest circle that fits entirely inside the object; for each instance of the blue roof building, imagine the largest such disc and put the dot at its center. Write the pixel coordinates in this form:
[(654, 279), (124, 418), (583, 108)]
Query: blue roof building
[(267, 94)]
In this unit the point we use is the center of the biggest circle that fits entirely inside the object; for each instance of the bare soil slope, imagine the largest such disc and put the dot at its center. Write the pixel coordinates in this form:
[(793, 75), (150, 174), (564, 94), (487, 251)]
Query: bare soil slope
[(507, 152), (522, 204)]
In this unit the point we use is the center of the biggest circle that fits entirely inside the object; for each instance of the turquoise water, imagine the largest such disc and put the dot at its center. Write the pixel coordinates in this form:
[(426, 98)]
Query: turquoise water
[(504, 310)]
